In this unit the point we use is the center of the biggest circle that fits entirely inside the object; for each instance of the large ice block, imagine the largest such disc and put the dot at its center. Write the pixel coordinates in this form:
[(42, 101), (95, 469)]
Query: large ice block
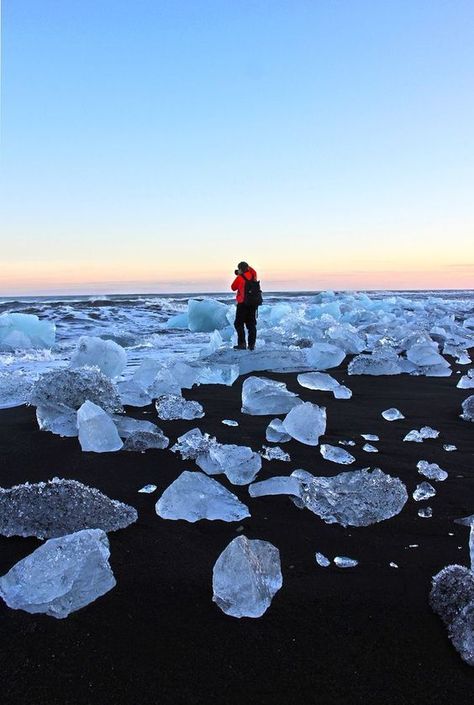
[(322, 356), (108, 356), (262, 396), (71, 388), (97, 431), (25, 330), (207, 315), (306, 423)]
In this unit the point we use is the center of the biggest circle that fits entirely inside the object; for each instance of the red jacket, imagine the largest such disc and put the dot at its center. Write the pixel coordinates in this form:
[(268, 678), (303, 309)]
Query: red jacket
[(238, 284)]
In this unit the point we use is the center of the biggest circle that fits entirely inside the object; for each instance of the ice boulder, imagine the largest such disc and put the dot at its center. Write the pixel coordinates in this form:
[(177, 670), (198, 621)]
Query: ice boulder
[(262, 396), (25, 330), (306, 423), (50, 509), (108, 356), (425, 355), (194, 496), (468, 409), (246, 576), (71, 388), (322, 356), (452, 598), (97, 431), (172, 406), (207, 315), (61, 576), (15, 388)]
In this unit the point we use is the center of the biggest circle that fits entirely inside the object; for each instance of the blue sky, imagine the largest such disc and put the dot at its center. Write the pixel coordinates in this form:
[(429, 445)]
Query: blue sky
[(151, 145)]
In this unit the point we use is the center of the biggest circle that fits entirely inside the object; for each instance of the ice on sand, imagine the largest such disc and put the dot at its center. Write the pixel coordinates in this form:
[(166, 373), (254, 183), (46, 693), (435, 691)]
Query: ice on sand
[(423, 491), (306, 423), (274, 453), (452, 598), (419, 436), (140, 435), (379, 362), (392, 414), (336, 455), (324, 382), (431, 470), (345, 562), (449, 447), (71, 388), (275, 432), (230, 422), (194, 496), (147, 489), (207, 315), (97, 431), (425, 512), (322, 560), (275, 486), (57, 507), (192, 443), (132, 394), (61, 576), (246, 576), (109, 357), (467, 380), (58, 420), (322, 356), (171, 406), (25, 330), (239, 463), (261, 396), (369, 448), (468, 408), (370, 437)]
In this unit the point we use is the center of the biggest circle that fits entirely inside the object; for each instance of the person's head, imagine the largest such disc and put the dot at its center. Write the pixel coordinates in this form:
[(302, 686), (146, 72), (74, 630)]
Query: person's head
[(242, 267)]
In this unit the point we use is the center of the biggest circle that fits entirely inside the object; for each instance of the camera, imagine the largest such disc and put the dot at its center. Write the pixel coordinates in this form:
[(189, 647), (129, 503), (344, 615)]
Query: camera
[(236, 272)]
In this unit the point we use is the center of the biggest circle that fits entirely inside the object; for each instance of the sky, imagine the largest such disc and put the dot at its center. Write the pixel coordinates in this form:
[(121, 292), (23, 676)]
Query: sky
[(149, 146)]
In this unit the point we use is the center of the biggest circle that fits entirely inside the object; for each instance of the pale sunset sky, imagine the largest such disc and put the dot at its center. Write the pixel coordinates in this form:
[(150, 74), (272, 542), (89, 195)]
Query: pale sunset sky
[(150, 145)]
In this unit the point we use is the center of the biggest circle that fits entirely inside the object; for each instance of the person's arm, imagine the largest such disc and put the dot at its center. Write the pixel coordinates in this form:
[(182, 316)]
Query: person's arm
[(235, 284)]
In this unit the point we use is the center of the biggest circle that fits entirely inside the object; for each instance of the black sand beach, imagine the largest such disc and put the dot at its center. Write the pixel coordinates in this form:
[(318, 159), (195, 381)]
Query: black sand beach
[(364, 635)]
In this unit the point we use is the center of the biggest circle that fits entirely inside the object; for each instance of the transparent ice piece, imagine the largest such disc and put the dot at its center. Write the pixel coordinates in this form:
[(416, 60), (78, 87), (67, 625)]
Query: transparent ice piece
[(392, 414), (261, 396), (322, 560), (306, 423), (97, 431), (423, 491), (336, 455), (108, 356), (431, 470), (274, 453), (345, 562)]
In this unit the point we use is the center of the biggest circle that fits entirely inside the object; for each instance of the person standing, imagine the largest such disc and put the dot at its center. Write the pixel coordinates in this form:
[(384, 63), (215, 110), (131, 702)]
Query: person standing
[(248, 301)]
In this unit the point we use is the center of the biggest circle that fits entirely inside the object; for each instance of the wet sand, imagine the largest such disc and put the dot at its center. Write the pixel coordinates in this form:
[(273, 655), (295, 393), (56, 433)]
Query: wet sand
[(361, 635)]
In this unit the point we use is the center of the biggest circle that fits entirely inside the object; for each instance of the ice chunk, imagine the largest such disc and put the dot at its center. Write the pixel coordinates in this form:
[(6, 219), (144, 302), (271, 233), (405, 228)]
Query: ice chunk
[(322, 356), (185, 374), (274, 453), (246, 576), (425, 355), (58, 507), (192, 443), (414, 436), (423, 491), (428, 432), (393, 565), (431, 470), (379, 362), (346, 443), (449, 447), (276, 485), (392, 414), (97, 431), (261, 396), (276, 433), (194, 496), (140, 435), (318, 380), (468, 408), (148, 489), (336, 455), (322, 560), (61, 576), (58, 420), (25, 330), (180, 320), (452, 598), (15, 388), (306, 423), (230, 422), (207, 315), (342, 392), (71, 388), (467, 381), (222, 374), (164, 383), (369, 448), (239, 463), (171, 406), (370, 437), (108, 356), (345, 562), (425, 512), (132, 394)]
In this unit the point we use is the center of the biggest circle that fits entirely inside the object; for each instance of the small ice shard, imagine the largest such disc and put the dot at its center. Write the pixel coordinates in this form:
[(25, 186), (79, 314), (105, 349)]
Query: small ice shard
[(58, 507), (428, 432), (467, 381), (97, 431), (276, 433), (131, 394), (275, 486), (140, 435), (230, 422), (413, 545), (322, 356), (345, 562), (239, 463), (108, 356), (336, 455), (71, 388), (370, 437), (449, 447), (59, 420), (369, 448), (392, 414), (322, 560), (207, 315), (246, 576), (25, 330), (393, 565), (346, 443), (425, 512), (147, 489), (61, 576), (194, 496), (468, 408), (423, 491), (431, 470), (414, 436), (452, 598), (274, 453), (318, 380), (171, 406), (261, 396), (342, 392), (306, 423)]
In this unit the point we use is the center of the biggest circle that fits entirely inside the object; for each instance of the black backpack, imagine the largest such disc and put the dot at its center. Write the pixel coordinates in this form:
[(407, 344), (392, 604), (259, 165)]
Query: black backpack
[(252, 293)]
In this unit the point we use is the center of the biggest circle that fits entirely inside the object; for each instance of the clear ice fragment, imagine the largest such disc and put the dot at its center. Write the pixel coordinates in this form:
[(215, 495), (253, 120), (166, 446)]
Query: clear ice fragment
[(171, 406), (147, 489), (423, 491), (230, 422), (369, 448), (449, 447), (306, 423), (274, 453), (261, 396), (97, 431), (370, 437), (345, 562), (322, 560), (108, 356), (336, 455), (392, 414), (431, 470), (468, 409), (276, 433), (425, 512)]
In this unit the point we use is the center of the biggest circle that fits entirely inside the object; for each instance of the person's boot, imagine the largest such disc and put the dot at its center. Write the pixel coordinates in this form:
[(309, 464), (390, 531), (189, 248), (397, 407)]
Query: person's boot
[(240, 347)]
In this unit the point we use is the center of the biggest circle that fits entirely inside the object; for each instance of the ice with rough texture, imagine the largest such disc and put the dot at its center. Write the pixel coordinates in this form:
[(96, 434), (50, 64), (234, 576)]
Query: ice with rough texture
[(431, 470), (25, 330), (423, 491), (419, 436), (58, 420), (194, 496), (322, 560), (171, 406), (274, 453), (15, 388), (452, 598), (346, 443), (246, 576), (275, 432), (425, 512), (71, 388), (306, 423), (108, 356), (261, 396), (336, 455), (192, 443), (467, 380), (207, 315), (369, 448), (140, 435), (61, 576), (97, 431), (239, 463), (322, 356), (379, 362), (345, 562), (57, 507), (392, 414), (468, 409)]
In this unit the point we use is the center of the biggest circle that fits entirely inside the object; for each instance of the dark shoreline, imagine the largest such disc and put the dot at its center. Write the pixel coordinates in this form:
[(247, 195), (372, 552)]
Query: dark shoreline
[(365, 635)]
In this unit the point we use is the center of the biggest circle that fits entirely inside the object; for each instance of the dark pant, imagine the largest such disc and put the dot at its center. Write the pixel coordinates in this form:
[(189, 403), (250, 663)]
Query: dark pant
[(246, 315)]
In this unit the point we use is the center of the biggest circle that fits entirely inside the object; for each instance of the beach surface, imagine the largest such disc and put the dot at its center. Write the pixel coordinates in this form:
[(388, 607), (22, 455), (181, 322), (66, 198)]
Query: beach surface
[(360, 635)]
